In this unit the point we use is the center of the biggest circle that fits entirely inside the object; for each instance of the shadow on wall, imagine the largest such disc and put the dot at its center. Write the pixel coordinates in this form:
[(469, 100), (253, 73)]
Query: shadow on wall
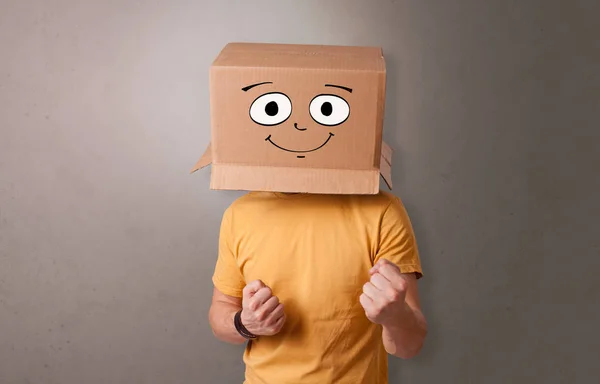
[(393, 133)]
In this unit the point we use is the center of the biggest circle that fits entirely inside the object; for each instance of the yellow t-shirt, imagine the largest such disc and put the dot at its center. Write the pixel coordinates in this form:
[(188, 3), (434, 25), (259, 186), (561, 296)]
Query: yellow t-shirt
[(314, 252)]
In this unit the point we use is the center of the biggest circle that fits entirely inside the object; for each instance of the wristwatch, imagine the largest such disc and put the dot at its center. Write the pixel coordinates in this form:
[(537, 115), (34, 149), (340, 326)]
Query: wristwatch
[(237, 322)]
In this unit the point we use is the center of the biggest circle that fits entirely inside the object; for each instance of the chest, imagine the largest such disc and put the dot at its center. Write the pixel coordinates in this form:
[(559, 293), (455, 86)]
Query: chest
[(309, 261)]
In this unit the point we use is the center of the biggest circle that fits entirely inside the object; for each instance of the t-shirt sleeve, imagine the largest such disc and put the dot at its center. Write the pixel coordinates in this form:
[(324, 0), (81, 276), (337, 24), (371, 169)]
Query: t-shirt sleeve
[(227, 276), (397, 241)]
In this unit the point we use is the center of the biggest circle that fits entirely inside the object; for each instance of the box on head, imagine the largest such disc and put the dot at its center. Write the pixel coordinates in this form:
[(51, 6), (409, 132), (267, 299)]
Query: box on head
[(297, 118)]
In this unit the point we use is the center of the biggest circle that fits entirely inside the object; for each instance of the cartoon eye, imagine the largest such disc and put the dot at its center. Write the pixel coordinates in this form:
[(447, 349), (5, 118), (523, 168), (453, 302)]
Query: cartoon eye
[(329, 110), (271, 109)]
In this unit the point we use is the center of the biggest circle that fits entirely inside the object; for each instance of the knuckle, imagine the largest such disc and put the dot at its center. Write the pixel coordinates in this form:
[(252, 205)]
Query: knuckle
[(261, 315), (403, 285)]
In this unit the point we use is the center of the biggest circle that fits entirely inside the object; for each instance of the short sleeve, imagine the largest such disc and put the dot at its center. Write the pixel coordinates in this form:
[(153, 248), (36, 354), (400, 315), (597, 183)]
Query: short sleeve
[(397, 241), (227, 276)]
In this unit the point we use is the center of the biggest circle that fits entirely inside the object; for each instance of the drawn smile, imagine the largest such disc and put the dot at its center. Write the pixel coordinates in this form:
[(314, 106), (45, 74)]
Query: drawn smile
[(299, 151)]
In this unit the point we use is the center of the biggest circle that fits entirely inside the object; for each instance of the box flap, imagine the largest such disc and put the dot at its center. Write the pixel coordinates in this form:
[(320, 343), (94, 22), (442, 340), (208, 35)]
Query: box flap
[(385, 167), (205, 160), (294, 179)]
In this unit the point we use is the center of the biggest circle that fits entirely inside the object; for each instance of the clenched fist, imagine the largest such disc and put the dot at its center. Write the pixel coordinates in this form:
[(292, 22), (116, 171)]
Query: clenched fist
[(262, 313), (383, 297)]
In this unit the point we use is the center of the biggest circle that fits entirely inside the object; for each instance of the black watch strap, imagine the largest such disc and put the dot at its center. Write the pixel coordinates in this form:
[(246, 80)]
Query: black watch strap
[(237, 322)]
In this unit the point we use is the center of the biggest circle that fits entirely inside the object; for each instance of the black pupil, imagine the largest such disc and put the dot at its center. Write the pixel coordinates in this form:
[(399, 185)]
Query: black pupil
[(271, 108), (326, 108)]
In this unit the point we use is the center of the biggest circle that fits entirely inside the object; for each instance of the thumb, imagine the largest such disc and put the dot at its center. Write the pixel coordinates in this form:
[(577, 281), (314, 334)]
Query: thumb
[(380, 263), (251, 288), (375, 268)]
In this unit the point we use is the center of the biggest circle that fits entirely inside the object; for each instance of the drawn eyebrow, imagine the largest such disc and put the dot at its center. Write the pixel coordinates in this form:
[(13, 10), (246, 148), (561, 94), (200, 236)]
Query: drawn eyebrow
[(249, 87), (339, 86)]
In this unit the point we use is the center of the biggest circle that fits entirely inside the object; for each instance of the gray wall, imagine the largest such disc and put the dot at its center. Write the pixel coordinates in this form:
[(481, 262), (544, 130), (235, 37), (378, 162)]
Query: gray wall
[(107, 245)]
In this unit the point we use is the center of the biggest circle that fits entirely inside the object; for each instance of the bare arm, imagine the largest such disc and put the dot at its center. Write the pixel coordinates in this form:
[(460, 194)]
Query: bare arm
[(222, 310), (391, 299), (405, 336)]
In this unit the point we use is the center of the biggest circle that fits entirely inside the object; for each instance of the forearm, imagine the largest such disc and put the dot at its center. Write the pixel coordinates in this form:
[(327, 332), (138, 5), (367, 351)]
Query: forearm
[(221, 320), (405, 337)]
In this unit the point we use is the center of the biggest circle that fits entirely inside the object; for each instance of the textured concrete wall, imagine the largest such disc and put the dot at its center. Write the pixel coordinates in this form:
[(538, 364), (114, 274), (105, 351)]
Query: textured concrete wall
[(107, 245)]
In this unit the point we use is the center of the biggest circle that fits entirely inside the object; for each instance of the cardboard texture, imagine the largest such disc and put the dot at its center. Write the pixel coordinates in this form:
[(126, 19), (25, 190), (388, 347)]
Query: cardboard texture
[(297, 118)]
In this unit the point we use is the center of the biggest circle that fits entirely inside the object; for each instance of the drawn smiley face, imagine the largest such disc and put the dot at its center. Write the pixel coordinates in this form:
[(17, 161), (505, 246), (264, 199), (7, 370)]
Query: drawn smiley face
[(275, 108)]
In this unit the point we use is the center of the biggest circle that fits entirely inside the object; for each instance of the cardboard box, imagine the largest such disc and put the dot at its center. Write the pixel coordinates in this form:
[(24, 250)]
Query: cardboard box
[(297, 118)]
